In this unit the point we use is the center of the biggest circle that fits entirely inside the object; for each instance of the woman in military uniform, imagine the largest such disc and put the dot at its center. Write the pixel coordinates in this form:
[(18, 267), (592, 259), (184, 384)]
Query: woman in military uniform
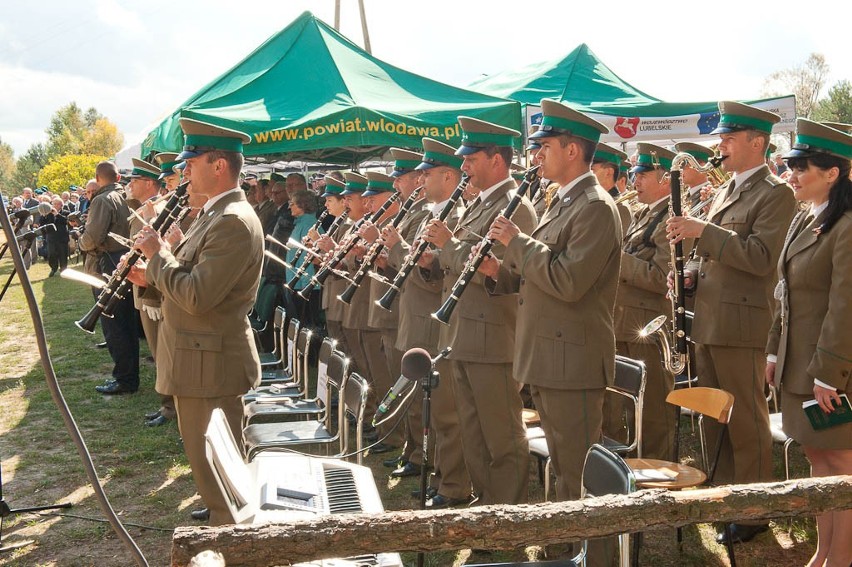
[(810, 347)]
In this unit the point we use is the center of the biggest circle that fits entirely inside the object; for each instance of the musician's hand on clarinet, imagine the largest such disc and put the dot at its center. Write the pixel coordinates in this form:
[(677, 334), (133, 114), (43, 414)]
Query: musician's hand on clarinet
[(437, 233), (174, 236), (390, 236), (678, 228), (148, 242), (489, 266), (368, 232), (382, 259), (503, 230), (313, 236), (426, 259), (325, 243), (137, 273), (688, 280), (147, 211)]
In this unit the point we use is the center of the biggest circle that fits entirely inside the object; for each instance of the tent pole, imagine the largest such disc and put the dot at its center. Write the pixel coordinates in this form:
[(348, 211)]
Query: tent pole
[(364, 27), (337, 15)]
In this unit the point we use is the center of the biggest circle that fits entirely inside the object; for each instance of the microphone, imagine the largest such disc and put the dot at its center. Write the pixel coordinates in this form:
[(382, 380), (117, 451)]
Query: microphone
[(416, 364)]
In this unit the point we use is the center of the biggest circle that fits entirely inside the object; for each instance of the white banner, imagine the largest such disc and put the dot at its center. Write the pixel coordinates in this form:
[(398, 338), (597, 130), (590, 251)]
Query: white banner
[(629, 130)]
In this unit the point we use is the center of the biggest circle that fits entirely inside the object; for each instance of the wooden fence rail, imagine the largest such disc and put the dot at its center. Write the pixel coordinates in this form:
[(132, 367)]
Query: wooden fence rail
[(507, 527)]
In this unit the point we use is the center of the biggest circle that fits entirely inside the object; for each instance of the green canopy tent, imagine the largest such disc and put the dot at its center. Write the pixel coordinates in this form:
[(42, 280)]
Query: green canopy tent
[(584, 81), (310, 94)]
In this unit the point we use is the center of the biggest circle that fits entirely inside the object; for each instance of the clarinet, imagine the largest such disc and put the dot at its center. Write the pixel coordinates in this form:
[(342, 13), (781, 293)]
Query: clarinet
[(301, 270), (375, 250), (118, 285), (344, 248), (443, 314), (418, 247)]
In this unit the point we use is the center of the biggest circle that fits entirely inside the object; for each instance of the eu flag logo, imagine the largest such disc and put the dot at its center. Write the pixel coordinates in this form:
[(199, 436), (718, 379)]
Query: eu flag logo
[(707, 122)]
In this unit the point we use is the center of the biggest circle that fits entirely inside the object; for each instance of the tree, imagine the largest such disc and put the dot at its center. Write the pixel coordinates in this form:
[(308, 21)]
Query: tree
[(806, 81), (28, 166), (68, 170), (102, 138), (837, 106), (7, 167), (71, 131)]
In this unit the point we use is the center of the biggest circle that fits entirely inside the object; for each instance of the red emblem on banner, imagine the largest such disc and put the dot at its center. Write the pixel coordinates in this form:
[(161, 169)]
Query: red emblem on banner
[(626, 127)]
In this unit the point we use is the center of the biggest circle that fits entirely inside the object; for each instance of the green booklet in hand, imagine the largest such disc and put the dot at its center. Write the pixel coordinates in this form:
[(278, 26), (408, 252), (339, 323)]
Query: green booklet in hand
[(820, 420)]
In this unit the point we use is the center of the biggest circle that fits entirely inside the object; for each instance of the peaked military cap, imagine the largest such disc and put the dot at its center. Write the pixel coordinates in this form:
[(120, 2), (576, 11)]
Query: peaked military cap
[(651, 157), (167, 161), (405, 161), (355, 183), (438, 154), (378, 182), (736, 116), (813, 138), (142, 168), (478, 135), (201, 137), (559, 118), (606, 153), (333, 187), (699, 152)]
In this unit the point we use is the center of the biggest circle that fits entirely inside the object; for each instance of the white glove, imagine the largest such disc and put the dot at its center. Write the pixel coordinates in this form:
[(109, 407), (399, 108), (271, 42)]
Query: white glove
[(153, 313)]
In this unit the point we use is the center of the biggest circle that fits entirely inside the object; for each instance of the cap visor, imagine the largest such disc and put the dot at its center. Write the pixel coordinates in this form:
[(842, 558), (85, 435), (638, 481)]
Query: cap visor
[(467, 150), (724, 130), (794, 153), (640, 169), (423, 165), (185, 154)]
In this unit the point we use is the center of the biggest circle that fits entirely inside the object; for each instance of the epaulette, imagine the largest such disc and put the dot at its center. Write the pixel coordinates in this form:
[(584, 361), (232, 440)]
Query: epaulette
[(593, 194), (774, 180)]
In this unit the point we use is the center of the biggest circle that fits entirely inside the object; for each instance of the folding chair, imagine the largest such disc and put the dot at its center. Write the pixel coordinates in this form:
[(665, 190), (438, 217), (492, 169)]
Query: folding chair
[(326, 431), (777, 428), (604, 472), (276, 357), (271, 408)]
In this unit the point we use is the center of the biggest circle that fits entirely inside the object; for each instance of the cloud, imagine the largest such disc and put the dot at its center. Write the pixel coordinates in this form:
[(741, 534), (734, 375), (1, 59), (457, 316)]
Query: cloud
[(112, 13)]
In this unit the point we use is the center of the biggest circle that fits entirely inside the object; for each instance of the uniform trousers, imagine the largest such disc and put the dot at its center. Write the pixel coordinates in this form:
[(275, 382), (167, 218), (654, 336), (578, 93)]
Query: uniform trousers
[(151, 329), (335, 331), (193, 417), (451, 478), (492, 432), (381, 381), (121, 333), (355, 339), (747, 448)]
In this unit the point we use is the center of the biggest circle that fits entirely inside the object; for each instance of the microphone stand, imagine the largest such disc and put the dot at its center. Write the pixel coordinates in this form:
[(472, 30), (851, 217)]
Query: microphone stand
[(427, 383)]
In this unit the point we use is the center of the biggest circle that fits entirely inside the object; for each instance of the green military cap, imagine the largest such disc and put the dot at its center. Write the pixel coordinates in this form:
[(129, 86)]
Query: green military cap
[(378, 183), (699, 152), (651, 157), (624, 167), (736, 116), (142, 168), (355, 183), (606, 153), (532, 144), (517, 171), (167, 161), (438, 154), (558, 118), (405, 161), (201, 137), (333, 187), (478, 135), (843, 127), (276, 177), (813, 138)]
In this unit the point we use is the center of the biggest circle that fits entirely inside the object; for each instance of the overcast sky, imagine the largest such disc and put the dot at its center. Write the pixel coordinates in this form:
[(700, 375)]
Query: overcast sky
[(137, 61)]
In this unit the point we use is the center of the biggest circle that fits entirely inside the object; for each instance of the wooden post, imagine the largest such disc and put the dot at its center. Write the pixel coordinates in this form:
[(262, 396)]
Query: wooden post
[(506, 527)]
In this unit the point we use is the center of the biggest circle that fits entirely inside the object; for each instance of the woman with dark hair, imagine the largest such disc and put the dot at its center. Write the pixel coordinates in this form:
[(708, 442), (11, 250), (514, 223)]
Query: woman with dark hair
[(303, 206), (810, 346)]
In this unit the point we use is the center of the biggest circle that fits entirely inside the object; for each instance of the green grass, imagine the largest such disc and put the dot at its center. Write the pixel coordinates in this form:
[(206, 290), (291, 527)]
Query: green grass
[(146, 475)]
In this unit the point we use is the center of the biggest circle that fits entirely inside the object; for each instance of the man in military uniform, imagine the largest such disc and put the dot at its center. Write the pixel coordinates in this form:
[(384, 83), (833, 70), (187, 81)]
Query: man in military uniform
[(606, 165), (335, 202), (481, 330), (737, 252), (696, 181), (564, 345), (418, 299), (406, 181), (107, 213), (207, 356), (645, 260)]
